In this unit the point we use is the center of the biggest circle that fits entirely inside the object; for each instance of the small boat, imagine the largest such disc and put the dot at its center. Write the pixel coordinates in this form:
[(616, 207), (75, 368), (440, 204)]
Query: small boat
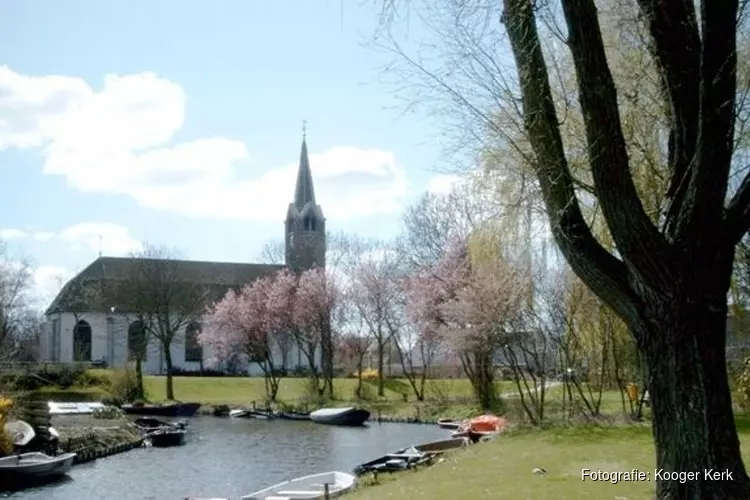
[(395, 462), (21, 432), (151, 423), (294, 415), (164, 438), (307, 487), (57, 408), (482, 428), (168, 410), (250, 413), (442, 446), (28, 467), (449, 424), (340, 416)]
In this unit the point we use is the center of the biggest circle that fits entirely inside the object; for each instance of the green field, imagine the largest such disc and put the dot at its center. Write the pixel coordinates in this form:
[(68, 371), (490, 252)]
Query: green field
[(443, 397), (503, 468)]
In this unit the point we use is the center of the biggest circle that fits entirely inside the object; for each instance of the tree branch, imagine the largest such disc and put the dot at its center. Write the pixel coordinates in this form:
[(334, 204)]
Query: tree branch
[(637, 239), (737, 218), (600, 270), (676, 48), (718, 76)]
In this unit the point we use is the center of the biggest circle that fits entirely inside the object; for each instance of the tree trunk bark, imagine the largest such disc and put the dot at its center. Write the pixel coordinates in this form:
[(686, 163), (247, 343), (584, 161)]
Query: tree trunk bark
[(693, 423), (168, 362), (381, 364), (139, 378)]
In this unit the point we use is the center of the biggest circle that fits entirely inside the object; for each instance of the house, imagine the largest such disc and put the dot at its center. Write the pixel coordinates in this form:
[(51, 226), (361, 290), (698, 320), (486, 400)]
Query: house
[(81, 327)]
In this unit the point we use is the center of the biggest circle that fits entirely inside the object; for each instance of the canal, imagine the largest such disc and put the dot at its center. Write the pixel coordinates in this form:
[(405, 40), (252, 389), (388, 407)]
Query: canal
[(228, 458)]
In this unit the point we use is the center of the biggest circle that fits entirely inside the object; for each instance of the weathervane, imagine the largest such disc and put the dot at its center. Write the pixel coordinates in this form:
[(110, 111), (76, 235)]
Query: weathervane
[(304, 129)]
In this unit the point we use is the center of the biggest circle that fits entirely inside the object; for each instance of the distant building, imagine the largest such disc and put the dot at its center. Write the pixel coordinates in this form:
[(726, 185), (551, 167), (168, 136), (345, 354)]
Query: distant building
[(96, 332)]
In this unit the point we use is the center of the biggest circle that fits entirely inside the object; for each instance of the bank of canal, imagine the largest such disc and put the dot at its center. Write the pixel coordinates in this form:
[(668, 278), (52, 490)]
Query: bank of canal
[(228, 458)]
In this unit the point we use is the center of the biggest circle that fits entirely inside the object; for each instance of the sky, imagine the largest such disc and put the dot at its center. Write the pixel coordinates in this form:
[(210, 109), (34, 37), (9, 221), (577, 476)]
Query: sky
[(179, 123)]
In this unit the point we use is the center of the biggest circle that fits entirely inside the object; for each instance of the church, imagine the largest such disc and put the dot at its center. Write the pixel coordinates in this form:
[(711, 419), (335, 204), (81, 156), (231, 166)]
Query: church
[(81, 329)]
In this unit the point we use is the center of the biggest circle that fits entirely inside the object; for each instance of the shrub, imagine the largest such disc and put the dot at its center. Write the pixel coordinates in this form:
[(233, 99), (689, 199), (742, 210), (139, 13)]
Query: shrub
[(124, 385), (66, 376), (6, 441), (93, 378)]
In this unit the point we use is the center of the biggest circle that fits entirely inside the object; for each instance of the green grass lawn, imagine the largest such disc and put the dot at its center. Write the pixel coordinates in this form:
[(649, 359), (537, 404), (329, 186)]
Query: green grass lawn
[(451, 397), (503, 468)]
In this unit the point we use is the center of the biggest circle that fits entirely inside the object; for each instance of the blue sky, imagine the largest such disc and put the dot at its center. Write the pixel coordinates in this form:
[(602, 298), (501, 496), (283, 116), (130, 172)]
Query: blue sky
[(179, 123)]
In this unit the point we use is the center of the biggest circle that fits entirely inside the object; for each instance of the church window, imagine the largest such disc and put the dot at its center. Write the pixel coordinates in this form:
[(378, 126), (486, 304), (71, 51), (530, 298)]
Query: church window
[(137, 341), (309, 224), (193, 350), (82, 341)]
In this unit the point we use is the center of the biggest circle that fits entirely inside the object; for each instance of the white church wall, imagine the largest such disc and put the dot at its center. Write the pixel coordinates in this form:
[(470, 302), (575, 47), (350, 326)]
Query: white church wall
[(109, 342)]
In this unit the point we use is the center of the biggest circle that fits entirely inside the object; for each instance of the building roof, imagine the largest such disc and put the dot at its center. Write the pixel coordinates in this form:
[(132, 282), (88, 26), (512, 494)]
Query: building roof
[(217, 277), (304, 204)]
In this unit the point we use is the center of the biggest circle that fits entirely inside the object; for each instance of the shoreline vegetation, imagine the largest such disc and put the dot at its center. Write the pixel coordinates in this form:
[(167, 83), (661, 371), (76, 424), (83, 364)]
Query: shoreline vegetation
[(566, 443)]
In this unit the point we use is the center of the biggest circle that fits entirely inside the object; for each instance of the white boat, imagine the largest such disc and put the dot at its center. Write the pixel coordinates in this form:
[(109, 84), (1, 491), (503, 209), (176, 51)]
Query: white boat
[(21, 432), (340, 416), (307, 487), (28, 466), (57, 408)]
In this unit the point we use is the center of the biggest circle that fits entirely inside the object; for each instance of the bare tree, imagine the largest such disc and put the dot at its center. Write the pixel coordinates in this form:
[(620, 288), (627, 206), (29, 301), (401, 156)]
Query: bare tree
[(273, 252), (15, 310), (376, 300), (163, 298)]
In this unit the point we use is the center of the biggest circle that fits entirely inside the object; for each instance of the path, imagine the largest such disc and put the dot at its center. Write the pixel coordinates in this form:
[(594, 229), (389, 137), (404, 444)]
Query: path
[(547, 385)]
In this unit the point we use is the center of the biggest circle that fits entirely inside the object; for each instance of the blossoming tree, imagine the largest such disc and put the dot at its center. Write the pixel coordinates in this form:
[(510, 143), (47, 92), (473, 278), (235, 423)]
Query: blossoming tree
[(242, 322), (471, 301)]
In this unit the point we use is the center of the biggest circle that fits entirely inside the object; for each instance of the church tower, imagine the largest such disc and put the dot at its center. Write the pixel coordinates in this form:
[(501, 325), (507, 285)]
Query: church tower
[(305, 226)]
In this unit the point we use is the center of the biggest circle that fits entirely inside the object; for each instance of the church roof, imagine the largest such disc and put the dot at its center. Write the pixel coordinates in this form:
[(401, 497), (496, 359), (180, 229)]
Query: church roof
[(304, 192), (217, 277)]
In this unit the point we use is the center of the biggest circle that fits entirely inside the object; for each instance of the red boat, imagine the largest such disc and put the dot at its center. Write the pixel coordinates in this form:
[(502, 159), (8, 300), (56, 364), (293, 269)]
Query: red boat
[(481, 426)]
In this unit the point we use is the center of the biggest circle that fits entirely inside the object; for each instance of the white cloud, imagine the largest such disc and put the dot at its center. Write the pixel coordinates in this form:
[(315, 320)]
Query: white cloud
[(443, 183), (48, 280), (118, 140), (111, 239), (43, 236), (11, 234)]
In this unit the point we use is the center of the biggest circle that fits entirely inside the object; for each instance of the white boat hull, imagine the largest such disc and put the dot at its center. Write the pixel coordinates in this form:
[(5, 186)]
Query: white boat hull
[(35, 465), (307, 487), (340, 416), (56, 408)]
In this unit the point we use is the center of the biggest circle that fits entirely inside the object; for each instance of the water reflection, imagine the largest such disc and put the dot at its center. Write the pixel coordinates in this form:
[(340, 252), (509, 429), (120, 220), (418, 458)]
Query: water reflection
[(230, 458)]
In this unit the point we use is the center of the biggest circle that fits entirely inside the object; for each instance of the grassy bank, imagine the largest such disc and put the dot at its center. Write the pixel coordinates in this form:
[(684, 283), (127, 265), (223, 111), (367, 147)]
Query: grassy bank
[(444, 397), (503, 468)]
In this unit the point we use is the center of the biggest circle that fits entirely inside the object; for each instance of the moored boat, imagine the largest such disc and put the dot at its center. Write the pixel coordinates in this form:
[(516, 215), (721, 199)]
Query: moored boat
[(167, 410), (293, 415), (250, 413), (151, 423), (394, 462), (442, 445), (449, 424), (21, 432), (164, 438), (340, 416), (28, 467), (311, 487), (58, 408), (482, 428)]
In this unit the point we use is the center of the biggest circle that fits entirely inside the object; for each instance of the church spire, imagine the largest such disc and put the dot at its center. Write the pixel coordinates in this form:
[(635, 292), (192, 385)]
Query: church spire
[(304, 192)]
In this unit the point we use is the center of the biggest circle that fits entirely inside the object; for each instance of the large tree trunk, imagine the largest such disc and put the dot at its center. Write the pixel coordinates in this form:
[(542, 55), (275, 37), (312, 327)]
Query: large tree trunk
[(139, 378), (693, 423), (168, 363)]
